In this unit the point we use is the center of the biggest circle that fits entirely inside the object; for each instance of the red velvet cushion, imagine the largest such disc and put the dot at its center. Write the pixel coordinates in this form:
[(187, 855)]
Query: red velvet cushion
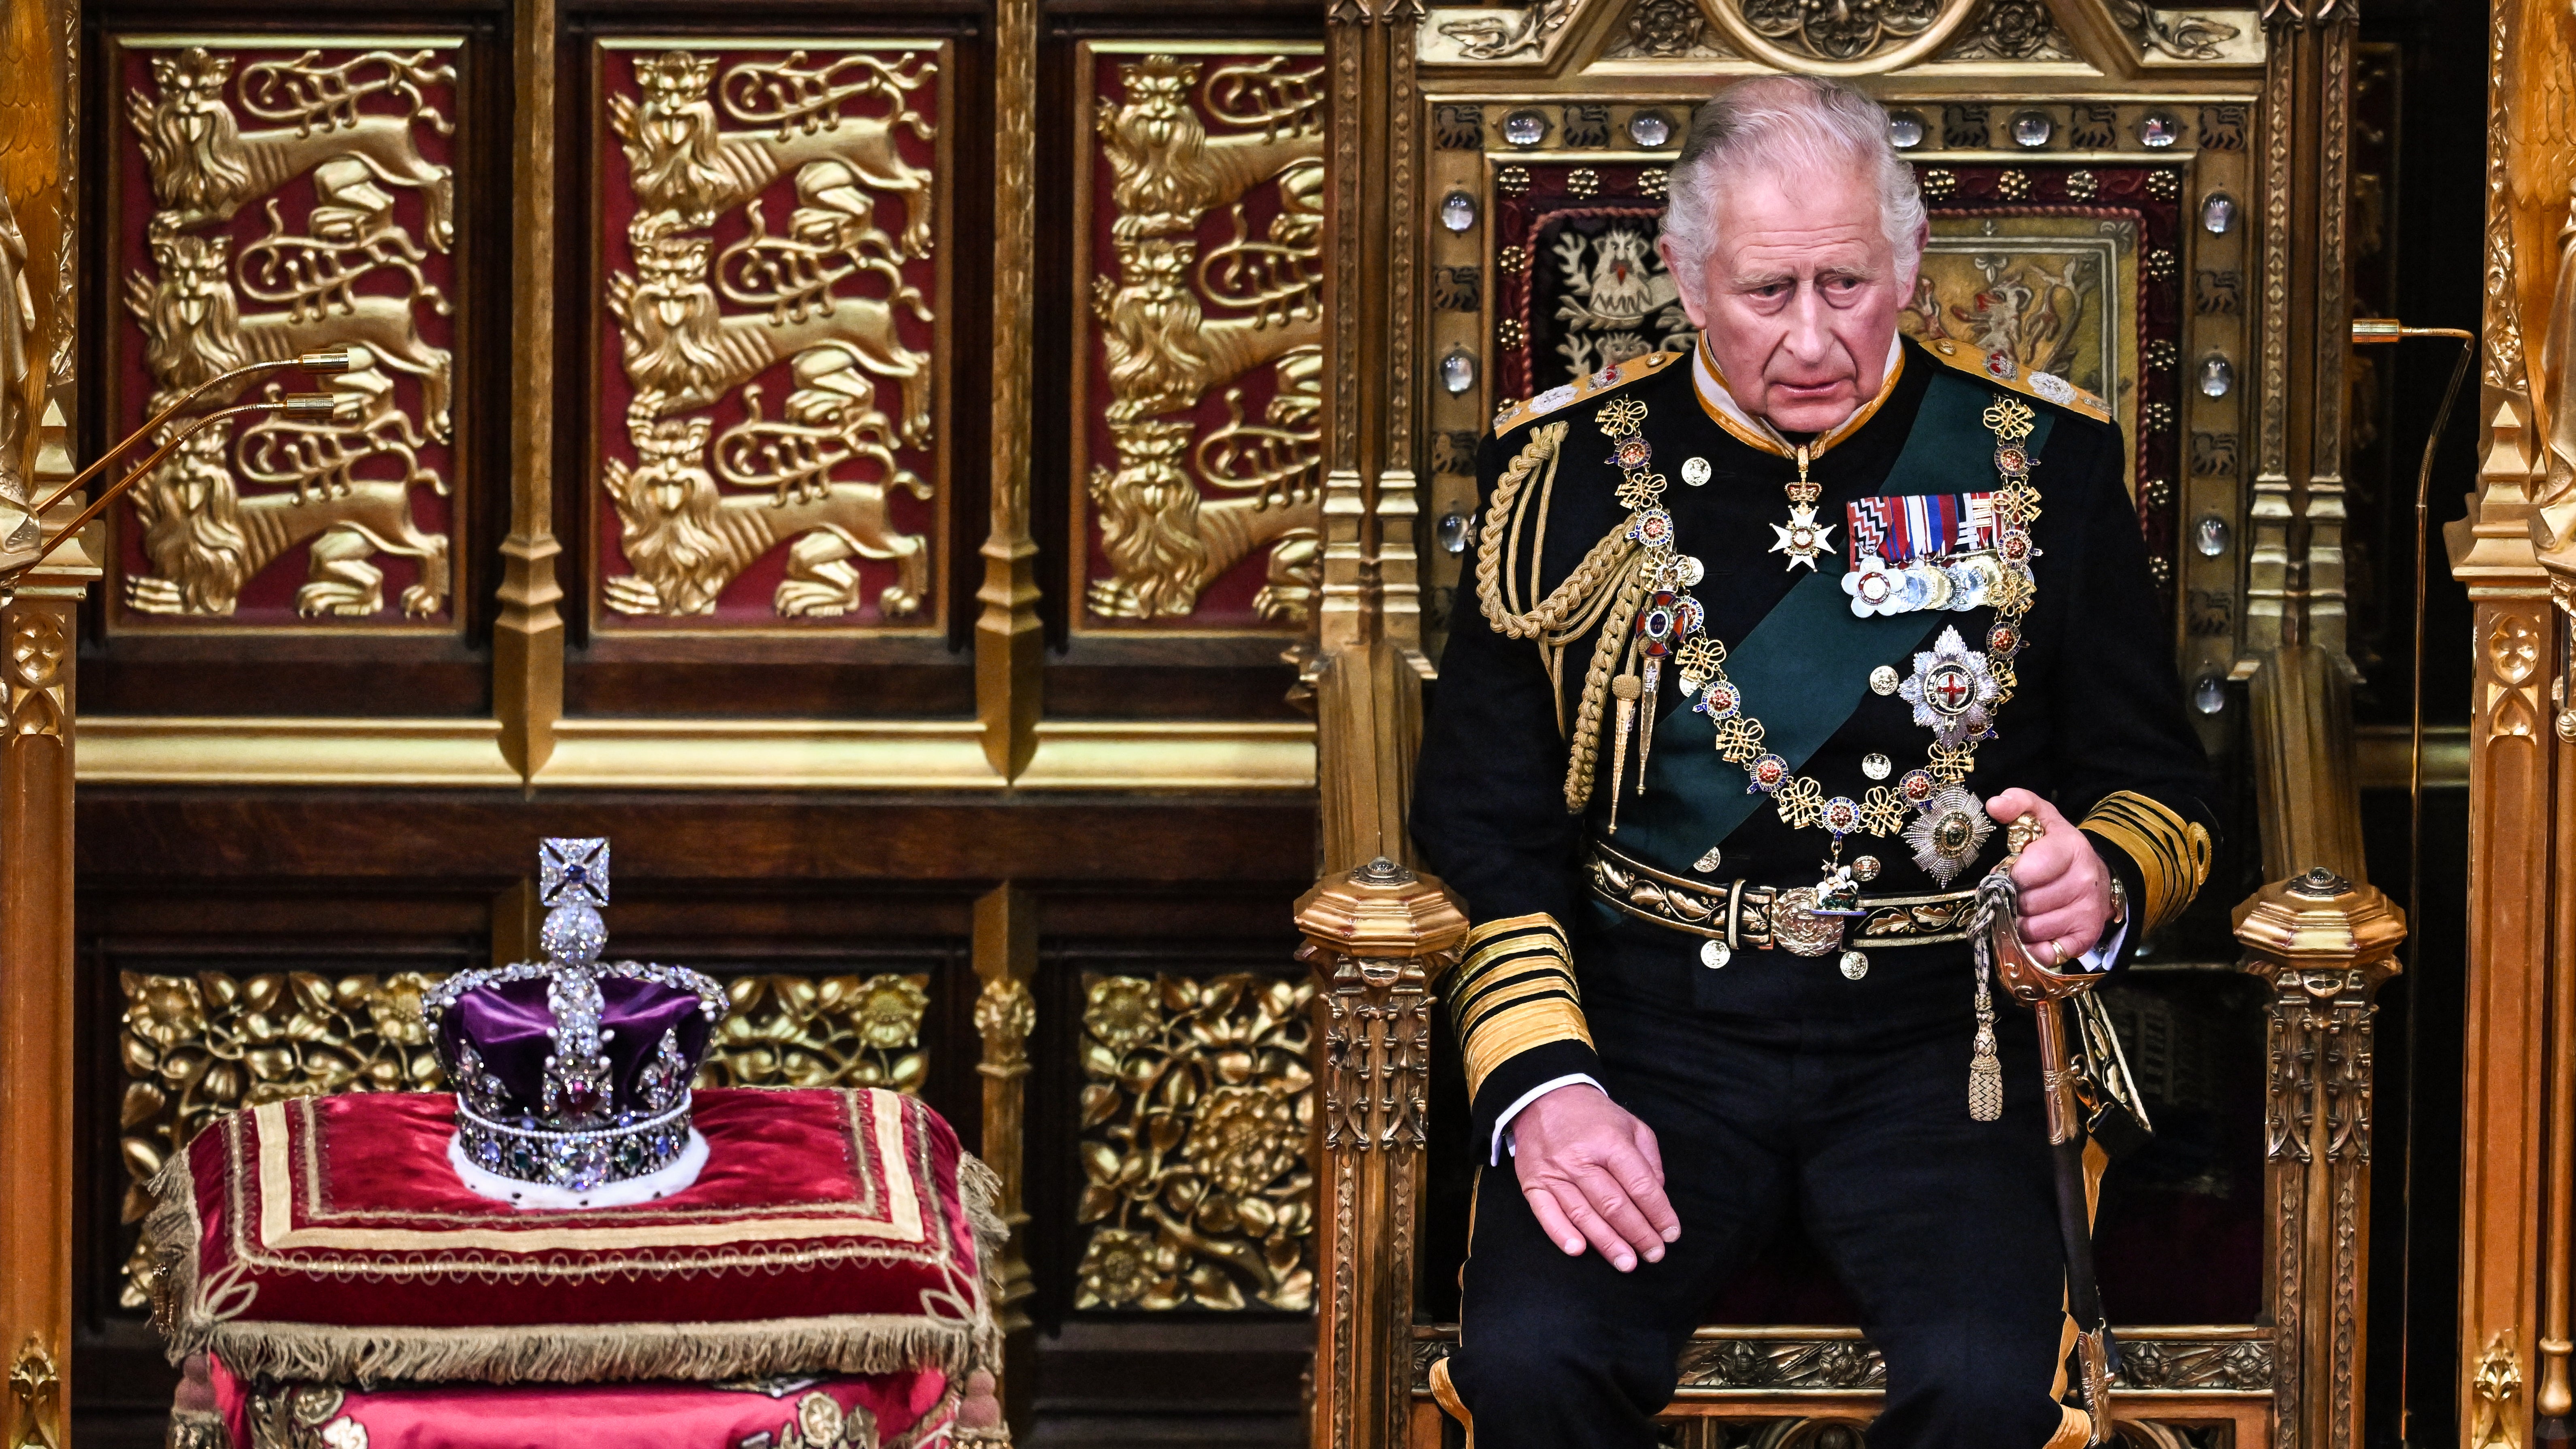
[(327, 1240), (619, 1416)]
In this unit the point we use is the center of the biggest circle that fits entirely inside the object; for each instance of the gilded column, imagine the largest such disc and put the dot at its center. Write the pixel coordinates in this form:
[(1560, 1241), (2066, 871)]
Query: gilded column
[(2514, 539), (1009, 644), (1365, 661), (1378, 938), (39, 634), (1006, 960), (2324, 945), (2300, 691), (528, 636)]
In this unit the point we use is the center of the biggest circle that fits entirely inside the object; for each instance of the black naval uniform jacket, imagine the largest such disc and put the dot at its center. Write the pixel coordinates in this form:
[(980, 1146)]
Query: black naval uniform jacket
[(2096, 726)]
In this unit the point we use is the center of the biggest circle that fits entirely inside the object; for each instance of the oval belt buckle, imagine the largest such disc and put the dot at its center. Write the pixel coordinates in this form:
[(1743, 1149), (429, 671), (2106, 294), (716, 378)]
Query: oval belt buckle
[(1796, 926)]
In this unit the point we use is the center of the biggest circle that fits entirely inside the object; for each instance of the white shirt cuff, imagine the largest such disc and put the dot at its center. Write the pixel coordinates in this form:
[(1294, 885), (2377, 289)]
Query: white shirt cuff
[(2107, 951), (1503, 1124)]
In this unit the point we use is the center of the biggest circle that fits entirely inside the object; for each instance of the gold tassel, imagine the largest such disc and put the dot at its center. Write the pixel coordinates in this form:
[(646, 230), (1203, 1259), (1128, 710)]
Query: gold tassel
[(1985, 1073), (1627, 688)]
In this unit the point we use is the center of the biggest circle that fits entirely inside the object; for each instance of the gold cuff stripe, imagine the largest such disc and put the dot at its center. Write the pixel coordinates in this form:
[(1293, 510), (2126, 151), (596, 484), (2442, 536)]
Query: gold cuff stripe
[(1497, 935), (1467, 1003), (1527, 988), (1519, 1029), (2172, 853), (1516, 991)]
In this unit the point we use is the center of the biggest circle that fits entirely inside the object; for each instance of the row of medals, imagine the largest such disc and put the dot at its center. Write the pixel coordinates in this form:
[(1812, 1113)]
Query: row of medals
[(1952, 688)]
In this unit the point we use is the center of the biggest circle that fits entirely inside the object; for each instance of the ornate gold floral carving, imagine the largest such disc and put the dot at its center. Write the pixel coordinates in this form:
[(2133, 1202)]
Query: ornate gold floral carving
[(828, 1031), (197, 1047), (830, 292), (346, 488), (1870, 35), (1180, 318), (2013, 30), (1196, 1111), (1663, 28)]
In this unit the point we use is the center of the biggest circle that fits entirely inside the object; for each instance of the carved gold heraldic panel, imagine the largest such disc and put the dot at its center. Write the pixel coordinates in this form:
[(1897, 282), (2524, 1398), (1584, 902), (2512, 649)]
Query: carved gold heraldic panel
[(197, 1047), (1198, 398), (771, 439), (1197, 1111), (268, 199)]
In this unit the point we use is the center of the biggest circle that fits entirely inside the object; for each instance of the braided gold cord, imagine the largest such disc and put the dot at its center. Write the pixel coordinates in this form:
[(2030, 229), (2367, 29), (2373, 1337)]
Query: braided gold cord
[(1583, 590), (1585, 752)]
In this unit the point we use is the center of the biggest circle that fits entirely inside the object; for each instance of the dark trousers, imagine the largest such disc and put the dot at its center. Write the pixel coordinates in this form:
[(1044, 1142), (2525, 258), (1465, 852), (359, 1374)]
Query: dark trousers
[(1944, 1228)]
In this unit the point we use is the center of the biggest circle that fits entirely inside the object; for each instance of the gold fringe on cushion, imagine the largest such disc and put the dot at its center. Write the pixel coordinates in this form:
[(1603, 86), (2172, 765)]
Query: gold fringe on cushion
[(979, 1189), (2171, 852), (871, 1343)]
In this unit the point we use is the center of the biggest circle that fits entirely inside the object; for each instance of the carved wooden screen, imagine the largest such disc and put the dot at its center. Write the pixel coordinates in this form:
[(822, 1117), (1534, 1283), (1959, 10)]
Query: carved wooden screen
[(860, 459)]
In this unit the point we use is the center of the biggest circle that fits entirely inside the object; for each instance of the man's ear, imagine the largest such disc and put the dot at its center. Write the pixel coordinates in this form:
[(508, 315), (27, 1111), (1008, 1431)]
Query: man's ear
[(1914, 269), (1691, 284)]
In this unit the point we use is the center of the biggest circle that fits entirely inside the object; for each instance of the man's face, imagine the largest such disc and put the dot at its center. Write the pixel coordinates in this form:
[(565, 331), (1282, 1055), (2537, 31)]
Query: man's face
[(1800, 296)]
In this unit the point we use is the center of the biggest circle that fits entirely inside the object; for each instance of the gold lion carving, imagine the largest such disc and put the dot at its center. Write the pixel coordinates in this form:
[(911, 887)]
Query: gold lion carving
[(194, 327), (686, 538), (682, 352), (1164, 167), (687, 170), (1167, 542), (205, 168), (207, 541), (1163, 352)]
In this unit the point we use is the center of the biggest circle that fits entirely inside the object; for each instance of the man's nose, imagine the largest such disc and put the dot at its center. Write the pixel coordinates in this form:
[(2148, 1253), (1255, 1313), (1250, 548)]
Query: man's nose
[(1808, 339)]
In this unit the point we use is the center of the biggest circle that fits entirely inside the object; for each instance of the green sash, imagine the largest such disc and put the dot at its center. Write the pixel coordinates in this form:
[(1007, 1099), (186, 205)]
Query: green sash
[(1803, 669)]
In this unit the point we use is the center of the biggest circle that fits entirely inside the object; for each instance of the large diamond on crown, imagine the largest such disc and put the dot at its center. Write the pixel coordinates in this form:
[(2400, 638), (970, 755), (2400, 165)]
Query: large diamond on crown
[(572, 1074)]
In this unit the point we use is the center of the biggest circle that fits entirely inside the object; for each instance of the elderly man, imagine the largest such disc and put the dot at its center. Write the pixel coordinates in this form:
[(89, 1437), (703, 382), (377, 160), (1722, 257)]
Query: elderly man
[(1763, 643)]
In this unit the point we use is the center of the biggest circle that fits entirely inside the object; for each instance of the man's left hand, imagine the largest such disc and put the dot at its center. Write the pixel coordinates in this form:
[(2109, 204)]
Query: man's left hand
[(2065, 889)]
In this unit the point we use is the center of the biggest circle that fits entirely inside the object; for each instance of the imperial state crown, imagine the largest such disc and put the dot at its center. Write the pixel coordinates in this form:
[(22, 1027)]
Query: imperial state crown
[(572, 1075)]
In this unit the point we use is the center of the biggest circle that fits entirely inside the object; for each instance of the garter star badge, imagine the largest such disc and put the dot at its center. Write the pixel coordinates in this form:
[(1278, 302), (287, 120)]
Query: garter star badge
[(1951, 690), (1948, 834)]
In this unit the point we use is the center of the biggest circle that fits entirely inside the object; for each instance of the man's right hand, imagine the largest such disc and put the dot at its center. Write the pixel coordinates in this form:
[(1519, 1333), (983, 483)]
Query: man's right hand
[(1593, 1175)]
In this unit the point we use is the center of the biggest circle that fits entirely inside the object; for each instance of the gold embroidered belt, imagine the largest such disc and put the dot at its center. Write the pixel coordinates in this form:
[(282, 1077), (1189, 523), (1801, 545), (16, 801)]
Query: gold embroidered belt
[(1768, 917)]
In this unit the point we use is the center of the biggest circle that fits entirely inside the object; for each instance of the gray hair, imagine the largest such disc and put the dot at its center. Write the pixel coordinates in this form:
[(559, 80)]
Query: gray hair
[(1792, 124)]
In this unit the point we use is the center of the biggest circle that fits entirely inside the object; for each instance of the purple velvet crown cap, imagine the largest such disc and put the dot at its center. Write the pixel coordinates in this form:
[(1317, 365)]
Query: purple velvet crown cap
[(572, 1072)]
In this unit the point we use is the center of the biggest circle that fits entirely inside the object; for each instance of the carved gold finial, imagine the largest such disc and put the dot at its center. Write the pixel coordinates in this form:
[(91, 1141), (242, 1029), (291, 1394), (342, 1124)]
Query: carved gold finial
[(35, 1380), (2492, 1390), (1004, 1016)]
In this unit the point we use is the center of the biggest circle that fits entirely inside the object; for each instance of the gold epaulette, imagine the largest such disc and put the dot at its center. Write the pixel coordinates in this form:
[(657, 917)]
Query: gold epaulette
[(2002, 370), (2172, 853), (1512, 414)]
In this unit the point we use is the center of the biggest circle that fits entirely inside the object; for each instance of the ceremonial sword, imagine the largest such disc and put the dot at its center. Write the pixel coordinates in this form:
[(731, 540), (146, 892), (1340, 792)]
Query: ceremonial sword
[(1997, 933)]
